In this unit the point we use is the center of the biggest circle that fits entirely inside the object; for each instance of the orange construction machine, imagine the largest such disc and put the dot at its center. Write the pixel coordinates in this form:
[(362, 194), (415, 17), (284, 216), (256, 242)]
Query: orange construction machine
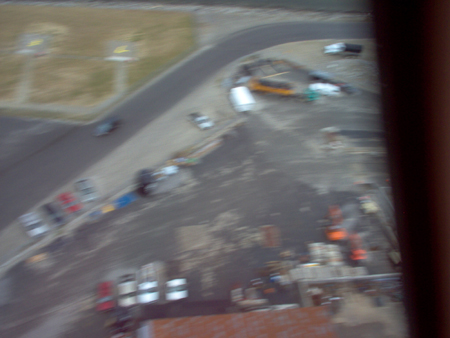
[(356, 246), (335, 231), (270, 86)]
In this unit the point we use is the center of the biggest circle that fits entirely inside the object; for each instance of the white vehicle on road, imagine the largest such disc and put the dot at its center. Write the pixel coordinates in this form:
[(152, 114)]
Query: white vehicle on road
[(201, 121), (126, 291), (34, 226), (176, 289), (148, 291)]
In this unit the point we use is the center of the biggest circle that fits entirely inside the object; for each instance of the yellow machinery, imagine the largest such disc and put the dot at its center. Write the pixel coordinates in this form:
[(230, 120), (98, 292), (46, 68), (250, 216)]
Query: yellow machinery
[(275, 87)]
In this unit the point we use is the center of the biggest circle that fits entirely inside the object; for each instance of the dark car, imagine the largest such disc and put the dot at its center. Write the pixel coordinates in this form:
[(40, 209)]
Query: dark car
[(121, 323), (349, 89), (320, 76), (145, 182), (107, 126), (55, 213)]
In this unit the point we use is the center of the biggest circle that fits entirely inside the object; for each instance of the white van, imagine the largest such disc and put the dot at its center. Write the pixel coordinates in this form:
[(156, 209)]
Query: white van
[(241, 99)]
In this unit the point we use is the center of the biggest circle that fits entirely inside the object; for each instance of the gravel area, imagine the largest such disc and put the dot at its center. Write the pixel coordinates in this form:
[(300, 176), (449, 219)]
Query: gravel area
[(361, 71)]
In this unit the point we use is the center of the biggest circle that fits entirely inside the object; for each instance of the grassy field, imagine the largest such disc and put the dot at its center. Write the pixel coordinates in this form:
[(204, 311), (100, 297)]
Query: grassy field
[(86, 82), (160, 37), (10, 66)]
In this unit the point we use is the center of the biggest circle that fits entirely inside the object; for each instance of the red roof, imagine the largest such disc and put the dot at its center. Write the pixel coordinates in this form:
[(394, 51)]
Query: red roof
[(301, 322)]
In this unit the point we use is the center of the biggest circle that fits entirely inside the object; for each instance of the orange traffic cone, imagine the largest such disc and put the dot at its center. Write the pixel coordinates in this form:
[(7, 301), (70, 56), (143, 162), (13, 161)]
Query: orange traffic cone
[(358, 254)]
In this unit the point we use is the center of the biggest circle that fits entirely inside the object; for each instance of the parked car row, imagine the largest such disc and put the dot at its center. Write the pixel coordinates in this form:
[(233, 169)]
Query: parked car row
[(148, 286), (66, 204), (59, 211)]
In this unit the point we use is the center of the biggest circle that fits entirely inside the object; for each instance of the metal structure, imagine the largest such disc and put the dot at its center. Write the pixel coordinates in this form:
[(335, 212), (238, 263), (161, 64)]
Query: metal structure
[(33, 44), (121, 51)]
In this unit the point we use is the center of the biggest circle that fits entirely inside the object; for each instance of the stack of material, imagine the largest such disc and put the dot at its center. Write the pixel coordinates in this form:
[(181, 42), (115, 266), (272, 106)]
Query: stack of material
[(334, 255), (251, 293), (311, 273), (369, 207), (318, 253), (326, 254), (237, 295)]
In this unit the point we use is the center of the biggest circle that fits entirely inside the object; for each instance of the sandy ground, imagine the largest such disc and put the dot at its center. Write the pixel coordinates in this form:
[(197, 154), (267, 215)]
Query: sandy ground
[(361, 71), (217, 22), (359, 311)]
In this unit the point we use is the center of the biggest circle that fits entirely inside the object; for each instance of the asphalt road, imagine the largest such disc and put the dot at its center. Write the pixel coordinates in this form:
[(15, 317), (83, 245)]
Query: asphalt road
[(34, 177), (21, 138)]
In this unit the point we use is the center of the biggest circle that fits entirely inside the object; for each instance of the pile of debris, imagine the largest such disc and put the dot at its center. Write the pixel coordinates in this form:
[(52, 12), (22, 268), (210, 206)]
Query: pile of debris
[(325, 254), (332, 137), (311, 272), (274, 278)]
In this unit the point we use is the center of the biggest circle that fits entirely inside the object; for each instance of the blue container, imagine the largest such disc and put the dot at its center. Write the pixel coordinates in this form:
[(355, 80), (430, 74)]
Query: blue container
[(125, 200)]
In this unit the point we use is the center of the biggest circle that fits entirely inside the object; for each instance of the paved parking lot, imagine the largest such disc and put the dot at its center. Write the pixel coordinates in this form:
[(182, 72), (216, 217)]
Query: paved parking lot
[(271, 171)]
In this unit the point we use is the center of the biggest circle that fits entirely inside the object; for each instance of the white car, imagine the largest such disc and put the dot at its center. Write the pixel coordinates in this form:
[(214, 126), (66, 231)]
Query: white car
[(86, 190), (201, 121), (148, 284), (176, 289), (126, 291), (334, 48), (34, 226), (325, 89), (341, 47)]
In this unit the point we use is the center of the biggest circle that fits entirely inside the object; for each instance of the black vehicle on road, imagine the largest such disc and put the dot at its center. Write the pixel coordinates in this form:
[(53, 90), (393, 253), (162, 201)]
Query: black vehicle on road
[(107, 126), (145, 182)]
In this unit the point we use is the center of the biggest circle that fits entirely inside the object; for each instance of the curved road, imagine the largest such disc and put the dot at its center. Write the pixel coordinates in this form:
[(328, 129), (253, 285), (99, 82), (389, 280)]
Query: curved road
[(34, 178)]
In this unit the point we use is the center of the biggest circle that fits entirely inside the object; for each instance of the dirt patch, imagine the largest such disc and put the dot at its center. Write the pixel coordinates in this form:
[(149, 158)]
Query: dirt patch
[(10, 67), (360, 310), (77, 117), (211, 249), (156, 50), (72, 82), (84, 31), (361, 71)]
